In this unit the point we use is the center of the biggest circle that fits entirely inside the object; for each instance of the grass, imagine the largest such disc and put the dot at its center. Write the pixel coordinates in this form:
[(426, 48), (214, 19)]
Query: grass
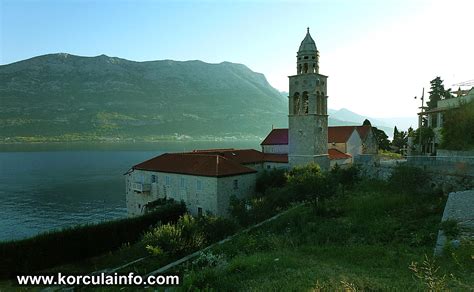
[(366, 240), (371, 238), (389, 155)]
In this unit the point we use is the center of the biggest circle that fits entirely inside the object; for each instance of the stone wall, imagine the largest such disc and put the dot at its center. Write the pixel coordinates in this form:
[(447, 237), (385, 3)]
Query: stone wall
[(446, 175), (277, 149), (450, 153), (458, 208)]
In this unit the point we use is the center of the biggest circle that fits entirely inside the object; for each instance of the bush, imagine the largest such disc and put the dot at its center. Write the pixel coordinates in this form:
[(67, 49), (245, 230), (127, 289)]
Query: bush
[(216, 228), (274, 178), (408, 179), (175, 239), (344, 178), (450, 228), (309, 183), (77, 243), (187, 235)]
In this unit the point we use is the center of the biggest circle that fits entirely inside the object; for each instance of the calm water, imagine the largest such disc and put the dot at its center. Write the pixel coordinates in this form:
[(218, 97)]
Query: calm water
[(42, 190)]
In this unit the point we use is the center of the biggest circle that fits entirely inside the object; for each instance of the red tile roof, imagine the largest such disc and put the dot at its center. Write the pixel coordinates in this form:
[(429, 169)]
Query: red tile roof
[(242, 156), (276, 137), (280, 158), (363, 131), (283, 158), (194, 164), (338, 134), (335, 154)]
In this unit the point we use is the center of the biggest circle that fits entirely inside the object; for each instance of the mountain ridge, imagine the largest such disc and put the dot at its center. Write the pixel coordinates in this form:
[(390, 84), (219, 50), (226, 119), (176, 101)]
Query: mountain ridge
[(61, 96)]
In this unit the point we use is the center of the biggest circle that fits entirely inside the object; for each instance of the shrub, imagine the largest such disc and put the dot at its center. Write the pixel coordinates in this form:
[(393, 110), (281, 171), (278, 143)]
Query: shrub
[(344, 178), (77, 243), (216, 228), (451, 228), (309, 183), (187, 235), (274, 178), (406, 179), (175, 239)]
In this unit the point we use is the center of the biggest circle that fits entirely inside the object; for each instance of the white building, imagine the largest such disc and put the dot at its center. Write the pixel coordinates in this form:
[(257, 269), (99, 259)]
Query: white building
[(204, 179), (435, 117)]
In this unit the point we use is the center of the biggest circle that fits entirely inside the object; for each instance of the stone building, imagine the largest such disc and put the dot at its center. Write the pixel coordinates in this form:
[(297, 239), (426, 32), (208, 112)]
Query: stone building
[(204, 179), (349, 140)]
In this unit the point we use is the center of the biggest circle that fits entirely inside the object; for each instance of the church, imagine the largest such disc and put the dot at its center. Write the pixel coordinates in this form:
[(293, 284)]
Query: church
[(207, 179)]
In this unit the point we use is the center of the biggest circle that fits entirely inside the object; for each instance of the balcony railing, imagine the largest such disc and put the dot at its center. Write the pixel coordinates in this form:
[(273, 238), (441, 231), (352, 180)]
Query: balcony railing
[(141, 187)]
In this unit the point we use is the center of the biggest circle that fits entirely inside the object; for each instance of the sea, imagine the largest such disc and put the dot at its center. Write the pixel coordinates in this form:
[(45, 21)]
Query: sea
[(46, 187)]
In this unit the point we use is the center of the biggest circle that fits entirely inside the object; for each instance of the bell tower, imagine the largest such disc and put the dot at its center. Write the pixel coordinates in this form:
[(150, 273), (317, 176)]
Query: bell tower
[(307, 115)]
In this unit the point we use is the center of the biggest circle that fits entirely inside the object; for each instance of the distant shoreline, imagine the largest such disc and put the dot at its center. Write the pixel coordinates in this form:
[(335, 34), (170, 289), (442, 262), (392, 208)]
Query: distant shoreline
[(161, 145)]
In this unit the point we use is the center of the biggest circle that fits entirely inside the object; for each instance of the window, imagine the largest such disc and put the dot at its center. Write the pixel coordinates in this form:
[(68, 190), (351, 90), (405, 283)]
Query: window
[(168, 180), (199, 185), (236, 184), (305, 102), (153, 178), (296, 103), (183, 182), (199, 211)]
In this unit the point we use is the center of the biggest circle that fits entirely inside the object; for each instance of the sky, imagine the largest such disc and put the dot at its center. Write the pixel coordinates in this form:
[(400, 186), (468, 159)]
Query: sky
[(378, 54)]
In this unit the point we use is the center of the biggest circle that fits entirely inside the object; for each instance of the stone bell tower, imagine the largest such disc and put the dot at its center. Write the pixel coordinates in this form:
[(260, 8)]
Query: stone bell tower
[(307, 118)]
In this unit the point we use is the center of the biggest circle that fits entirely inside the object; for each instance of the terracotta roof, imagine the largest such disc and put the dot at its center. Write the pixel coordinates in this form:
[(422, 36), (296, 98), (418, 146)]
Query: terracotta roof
[(335, 154), (363, 131), (281, 158), (338, 134), (276, 137), (194, 164), (242, 156)]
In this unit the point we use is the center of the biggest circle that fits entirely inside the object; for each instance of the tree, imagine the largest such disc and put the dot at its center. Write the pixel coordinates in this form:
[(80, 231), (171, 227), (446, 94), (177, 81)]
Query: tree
[(366, 123), (382, 139), (437, 92), (457, 128), (400, 139), (427, 136)]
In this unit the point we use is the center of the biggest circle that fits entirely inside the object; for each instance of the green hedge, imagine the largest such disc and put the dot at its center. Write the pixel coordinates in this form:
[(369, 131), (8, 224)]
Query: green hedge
[(77, 243)]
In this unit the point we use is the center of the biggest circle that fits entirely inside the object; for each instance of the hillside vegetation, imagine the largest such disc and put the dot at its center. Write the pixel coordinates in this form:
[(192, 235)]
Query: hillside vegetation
[(67, 97), (62, 97)]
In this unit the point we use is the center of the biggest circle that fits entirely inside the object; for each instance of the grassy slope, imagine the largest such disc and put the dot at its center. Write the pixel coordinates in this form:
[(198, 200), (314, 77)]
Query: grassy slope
[(367, 239)]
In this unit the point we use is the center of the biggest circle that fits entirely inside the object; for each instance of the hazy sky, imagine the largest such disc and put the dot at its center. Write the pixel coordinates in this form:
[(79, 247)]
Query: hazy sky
[(378, 54)]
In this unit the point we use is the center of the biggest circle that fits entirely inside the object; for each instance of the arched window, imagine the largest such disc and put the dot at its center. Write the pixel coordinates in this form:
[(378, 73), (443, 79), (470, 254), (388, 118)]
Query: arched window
[(305, 68), (299, 69), (318, 103), (305, 102), (323, 107), (296, 103)]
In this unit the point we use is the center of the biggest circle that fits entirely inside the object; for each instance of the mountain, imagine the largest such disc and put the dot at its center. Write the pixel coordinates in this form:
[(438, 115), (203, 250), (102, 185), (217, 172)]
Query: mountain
[(62, 97), (386, 124), (61, 94)]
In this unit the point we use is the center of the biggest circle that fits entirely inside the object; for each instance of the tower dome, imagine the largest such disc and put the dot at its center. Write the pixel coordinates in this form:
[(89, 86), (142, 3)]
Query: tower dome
[(307, 56), (308, 44)]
